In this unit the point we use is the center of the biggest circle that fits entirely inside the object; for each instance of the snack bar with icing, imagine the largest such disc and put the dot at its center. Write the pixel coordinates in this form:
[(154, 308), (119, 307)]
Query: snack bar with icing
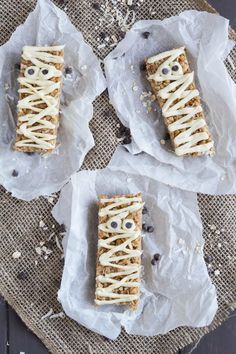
[(119, 250), (173, 84), (39, 97)]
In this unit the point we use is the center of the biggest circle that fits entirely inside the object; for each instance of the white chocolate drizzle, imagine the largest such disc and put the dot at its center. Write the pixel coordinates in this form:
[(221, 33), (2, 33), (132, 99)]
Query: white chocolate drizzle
[(39, 89), (186, 142), (128, 272)]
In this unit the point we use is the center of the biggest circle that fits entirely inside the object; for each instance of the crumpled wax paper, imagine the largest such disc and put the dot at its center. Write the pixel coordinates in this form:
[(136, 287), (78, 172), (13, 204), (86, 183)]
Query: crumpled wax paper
[(37, 174), (175, 292), (205, 37)]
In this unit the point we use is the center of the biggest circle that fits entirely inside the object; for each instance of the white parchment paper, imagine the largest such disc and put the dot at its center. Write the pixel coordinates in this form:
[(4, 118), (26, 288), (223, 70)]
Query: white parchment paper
[(205, 37), (175, 292), (40, 175)]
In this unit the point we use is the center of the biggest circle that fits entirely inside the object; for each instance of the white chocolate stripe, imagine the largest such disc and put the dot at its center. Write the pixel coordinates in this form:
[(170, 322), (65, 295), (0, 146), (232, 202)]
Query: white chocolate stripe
[(185, 142), (128, 272), (38, 92), (107, 210)]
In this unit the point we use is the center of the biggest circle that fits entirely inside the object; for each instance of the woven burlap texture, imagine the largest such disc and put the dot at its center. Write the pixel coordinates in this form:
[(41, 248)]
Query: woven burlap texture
[(20, 231)]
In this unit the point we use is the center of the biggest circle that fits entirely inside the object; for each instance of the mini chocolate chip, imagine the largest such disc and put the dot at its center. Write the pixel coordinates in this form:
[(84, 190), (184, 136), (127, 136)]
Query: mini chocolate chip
[(96, 6), (210, 271), (62, 228), (142, 67), (153, 262), (15, 173), (50, 244), (124, 129), (128, 225), (31, 71), (119, 134), (127, 140), (17, 66), (122, 35), (30, 153), (165, 71), (106, 339), (146, 34), (208, 259), (145, 211), (103, 35), (150, 229), (68, 70), (144, 227), (175, 68), (45, 71), (114, 224), (123, 132), (157, 256), (105, 92), (22, 275)]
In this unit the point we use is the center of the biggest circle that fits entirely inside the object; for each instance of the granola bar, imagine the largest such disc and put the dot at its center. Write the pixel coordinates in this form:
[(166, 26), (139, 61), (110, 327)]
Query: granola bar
[(173, 84), (39, 97), (119, 250)]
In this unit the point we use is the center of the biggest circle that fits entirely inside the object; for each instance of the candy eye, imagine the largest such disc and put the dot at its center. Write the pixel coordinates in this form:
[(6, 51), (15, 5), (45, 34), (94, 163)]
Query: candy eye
[(45, 73), (31, 71), (165, 71), (128, 225), (114, 224), (176, 68)]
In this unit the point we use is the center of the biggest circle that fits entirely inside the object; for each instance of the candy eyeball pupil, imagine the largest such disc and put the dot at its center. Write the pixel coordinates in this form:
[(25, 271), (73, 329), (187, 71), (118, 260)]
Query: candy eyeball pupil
[(114, 224), (128, 225), (175, 68), (31, 71), (45, 71), (165, 71)]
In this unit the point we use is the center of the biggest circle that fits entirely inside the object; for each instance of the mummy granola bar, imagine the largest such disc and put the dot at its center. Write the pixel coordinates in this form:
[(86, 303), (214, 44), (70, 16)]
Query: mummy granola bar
[(173, 84), (39, 96), (119, 250)]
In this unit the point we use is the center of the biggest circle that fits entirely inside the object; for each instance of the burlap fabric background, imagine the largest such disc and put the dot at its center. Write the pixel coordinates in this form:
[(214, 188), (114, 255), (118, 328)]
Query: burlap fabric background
[(34, 295)]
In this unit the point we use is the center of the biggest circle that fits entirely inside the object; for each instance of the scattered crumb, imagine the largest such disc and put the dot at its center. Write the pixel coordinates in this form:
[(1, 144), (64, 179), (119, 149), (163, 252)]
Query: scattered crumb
[(48, 314), (231, 62), (100, 46), (58, 244), (41, 223), (162, 142), (51, 315), (16, 255), (181, 241), (38, 250), (198, 248), (212, 227), (134, 87), (216, 272), (57, 315), (147, 98), (51, 236)]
